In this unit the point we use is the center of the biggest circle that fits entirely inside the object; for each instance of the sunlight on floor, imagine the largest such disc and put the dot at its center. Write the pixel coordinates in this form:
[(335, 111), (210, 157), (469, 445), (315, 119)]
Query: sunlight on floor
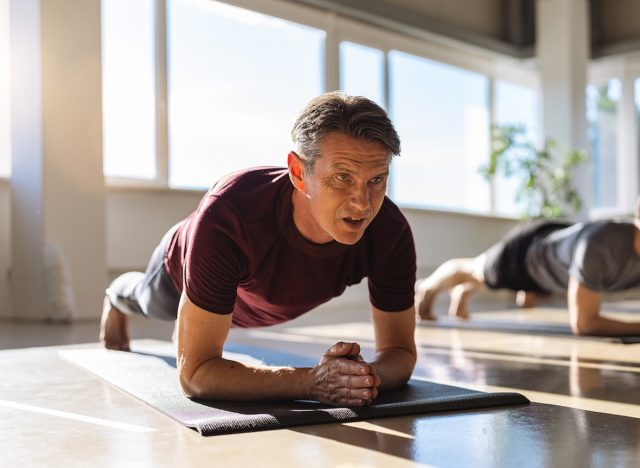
[(74, 416)]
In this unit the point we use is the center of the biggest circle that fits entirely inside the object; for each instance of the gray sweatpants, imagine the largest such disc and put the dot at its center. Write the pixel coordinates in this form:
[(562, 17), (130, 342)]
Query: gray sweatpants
[(151, 293)]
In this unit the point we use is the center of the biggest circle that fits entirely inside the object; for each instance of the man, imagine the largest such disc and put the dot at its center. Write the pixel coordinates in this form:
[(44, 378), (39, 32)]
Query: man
[(267, 245), (536, 259)]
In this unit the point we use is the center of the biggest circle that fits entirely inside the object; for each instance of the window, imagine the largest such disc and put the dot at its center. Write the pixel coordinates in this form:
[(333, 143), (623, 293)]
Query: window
[(362, 71), (636, 94), (237, 79), (5, 110), (441, 115), (514, 105), (129, 102), (602, 117)]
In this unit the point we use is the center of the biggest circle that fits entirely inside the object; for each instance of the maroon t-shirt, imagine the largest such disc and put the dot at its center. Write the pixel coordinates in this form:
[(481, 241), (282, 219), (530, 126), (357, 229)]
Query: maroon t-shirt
[(240, 252)]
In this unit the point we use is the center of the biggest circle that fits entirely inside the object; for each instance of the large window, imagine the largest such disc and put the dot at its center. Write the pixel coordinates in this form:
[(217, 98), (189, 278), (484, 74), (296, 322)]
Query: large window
[(441, 115), (237, 79), (362, 71), (602, 116), (128, 74), (5, 114), (514, 105), (636, 98)]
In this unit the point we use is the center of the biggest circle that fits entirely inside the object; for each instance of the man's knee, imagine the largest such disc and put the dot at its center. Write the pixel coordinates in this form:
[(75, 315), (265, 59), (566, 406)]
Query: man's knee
[(477, 268)]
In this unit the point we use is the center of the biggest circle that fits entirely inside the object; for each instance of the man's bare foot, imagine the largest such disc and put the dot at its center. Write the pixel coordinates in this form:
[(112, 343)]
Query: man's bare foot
[(424, 301), (114, 328), (459, 312), (459, 306), (526, 300)]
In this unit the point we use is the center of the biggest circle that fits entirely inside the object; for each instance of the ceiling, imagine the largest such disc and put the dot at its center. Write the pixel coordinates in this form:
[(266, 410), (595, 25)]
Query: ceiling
[(506, 26)]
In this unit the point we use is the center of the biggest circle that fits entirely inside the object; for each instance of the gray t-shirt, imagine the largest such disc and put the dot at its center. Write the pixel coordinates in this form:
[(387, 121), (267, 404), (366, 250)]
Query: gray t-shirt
[(600, 255)]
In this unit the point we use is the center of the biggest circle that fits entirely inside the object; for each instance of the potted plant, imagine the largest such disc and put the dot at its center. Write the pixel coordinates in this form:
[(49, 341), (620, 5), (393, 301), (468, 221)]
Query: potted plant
[(546, 187)]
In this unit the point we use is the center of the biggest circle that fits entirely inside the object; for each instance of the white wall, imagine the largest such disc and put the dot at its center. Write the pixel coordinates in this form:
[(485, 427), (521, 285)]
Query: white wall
[(137, 219), (5, 252), (438, 236), (441, 235)]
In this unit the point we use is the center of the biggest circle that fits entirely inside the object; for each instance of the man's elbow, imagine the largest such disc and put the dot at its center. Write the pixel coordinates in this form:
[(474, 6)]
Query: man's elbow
[(585, 327), (189, 387), (410, 358), (193, 384)]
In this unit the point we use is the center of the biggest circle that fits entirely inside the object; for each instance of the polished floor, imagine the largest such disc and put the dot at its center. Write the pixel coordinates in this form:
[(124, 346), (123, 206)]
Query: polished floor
[(585, 407)]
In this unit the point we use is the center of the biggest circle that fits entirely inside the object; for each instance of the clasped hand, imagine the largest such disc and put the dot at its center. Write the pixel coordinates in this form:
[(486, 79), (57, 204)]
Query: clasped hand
[(342, 377)]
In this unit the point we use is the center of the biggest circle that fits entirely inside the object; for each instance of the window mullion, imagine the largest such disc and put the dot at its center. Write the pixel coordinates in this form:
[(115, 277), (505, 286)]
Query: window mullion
[(628, 148), (331, 54), (162, 114), (492, 121), (388, 105)]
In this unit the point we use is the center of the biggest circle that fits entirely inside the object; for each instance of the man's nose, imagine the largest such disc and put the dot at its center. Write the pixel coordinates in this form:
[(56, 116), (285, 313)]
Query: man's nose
[(360, 197)]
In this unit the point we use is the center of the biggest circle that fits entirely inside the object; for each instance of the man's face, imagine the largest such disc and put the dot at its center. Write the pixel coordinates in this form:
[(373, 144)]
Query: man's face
[(344, 191)]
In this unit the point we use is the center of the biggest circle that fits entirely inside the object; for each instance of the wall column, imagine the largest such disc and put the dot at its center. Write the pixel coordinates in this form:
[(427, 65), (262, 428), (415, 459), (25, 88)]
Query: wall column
[(58, 245), (563, 50)]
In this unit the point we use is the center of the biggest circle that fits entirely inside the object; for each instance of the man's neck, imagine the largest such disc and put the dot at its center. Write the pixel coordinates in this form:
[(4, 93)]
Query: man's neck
[(303, 220)]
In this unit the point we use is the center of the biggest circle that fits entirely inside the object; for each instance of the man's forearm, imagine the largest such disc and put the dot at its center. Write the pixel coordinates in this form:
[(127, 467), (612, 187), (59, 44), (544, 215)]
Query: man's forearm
[(336, 380), (394, 366), (223, 379)]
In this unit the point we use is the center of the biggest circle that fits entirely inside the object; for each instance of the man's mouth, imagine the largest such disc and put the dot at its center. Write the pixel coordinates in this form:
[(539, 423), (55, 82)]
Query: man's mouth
[(354, 222)]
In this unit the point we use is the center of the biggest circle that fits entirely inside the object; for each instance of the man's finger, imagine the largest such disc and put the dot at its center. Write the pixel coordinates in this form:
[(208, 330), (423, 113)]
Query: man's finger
[(342, 349), (361, 393), (359, 381), (355, 351), (349, 367)]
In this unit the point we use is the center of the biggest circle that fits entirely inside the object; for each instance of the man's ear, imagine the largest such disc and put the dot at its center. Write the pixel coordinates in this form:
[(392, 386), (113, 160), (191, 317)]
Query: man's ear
[(296, 170)]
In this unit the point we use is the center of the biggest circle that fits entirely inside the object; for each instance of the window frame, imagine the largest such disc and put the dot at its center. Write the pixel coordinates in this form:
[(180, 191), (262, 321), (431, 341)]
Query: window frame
[(493, 65), (5, 82), (626, 69)]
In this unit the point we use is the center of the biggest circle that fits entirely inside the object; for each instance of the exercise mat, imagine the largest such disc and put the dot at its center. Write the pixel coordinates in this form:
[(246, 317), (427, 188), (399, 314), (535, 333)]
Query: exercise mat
[(544, 321), (153, 379)]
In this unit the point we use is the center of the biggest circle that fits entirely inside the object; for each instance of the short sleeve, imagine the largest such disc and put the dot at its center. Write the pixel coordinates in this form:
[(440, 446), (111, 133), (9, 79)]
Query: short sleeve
[(215, 261), (594, 261), (391, 285)]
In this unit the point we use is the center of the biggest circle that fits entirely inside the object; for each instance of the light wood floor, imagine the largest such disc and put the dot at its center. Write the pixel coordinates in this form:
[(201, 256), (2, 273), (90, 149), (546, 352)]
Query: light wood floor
[(585, 407)]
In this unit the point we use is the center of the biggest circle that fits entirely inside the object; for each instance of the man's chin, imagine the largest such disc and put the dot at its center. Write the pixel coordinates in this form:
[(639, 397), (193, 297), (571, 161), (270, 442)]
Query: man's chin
[(349, 238)]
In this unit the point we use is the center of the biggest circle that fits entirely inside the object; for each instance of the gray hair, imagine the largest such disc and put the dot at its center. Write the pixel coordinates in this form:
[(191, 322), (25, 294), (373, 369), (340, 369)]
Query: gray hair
[(354, 116)]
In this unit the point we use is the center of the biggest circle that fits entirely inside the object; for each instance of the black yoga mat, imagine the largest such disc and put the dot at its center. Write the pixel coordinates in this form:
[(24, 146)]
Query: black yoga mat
[(477, 322), (153, 379)]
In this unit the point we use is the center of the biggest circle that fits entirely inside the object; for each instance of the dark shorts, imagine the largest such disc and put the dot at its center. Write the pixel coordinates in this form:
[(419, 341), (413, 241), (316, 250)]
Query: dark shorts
[(505, 261), (151, 293)]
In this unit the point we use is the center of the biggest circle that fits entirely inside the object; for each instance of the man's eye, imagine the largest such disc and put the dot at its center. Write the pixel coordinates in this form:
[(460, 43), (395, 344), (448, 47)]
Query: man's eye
[(342, 177), (377, 180)]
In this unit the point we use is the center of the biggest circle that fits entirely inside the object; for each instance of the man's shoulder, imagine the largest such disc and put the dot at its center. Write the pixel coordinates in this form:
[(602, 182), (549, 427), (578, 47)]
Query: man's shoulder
[(251, 190), (606, 229), (245, 183), (605, 239)]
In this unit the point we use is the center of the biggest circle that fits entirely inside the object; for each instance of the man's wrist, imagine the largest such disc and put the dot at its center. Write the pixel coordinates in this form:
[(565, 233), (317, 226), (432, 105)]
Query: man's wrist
[(301, 383)]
